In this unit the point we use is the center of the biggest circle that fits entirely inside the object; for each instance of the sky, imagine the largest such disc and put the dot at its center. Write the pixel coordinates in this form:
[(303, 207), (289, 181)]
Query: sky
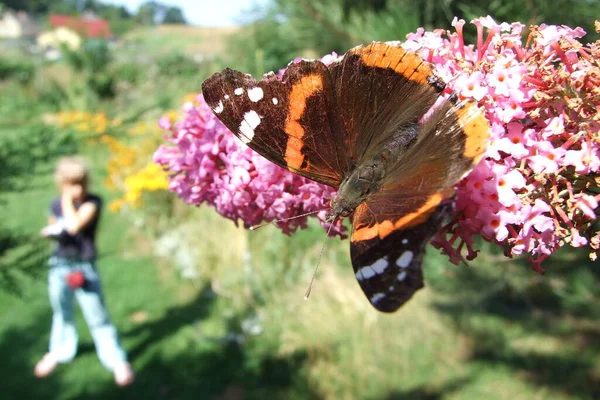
[(203, 12)]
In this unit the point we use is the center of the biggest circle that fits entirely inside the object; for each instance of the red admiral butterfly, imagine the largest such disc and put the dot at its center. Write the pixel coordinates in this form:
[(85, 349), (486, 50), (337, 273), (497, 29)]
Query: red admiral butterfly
[(362, 126)]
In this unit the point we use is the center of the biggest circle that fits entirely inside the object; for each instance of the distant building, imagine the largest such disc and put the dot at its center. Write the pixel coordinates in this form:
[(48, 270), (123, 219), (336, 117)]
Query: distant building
[(17, 25), (88, 26), (71, 31)]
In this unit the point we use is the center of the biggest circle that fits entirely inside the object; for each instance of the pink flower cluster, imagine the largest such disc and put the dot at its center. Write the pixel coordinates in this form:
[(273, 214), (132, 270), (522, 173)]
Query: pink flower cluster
[(208, 164), (537, 189)]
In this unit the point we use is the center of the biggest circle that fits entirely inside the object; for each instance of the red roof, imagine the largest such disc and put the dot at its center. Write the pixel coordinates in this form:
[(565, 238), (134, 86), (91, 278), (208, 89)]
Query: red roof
[(90, 27)]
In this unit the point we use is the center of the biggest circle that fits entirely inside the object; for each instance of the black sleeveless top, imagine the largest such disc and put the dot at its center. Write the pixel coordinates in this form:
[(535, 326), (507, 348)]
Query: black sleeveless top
[(80, 246)]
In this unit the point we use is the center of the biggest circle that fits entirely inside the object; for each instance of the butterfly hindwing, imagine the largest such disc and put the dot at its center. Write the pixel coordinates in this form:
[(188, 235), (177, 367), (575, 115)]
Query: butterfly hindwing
[(393, 226), (388, 269), (293, 121)]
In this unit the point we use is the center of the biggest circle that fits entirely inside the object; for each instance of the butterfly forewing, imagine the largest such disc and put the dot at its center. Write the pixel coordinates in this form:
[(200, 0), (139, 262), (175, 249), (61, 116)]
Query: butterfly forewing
[(381, 89), (293, 121), (450, 143)]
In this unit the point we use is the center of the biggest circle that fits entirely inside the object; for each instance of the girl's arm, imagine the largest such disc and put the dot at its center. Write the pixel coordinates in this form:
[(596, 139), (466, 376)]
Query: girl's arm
[(76, 220)]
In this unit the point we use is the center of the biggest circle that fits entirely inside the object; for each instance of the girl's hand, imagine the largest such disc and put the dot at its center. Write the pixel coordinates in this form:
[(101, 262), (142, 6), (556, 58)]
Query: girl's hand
[(45, 232), (52, 231), (67, 194), (72, 192)]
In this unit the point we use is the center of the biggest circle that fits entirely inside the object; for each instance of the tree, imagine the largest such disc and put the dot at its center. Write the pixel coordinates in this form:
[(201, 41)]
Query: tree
[(174, 15), (147, 13), (32, 6), (311, 28), (118, 17), (154, 12)]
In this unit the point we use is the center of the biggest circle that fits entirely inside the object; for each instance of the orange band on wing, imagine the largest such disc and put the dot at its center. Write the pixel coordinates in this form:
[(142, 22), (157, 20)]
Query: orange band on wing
[(476, 129), (409, 65), (299, 95), (384, 228)]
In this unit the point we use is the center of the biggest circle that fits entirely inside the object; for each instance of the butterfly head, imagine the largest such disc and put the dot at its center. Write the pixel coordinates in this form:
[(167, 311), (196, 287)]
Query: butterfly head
[(355, 189)]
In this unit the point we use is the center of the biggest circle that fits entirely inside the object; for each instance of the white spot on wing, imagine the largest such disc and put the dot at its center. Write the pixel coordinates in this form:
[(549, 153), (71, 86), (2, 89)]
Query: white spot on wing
[(380, 265), (219, 108), (250, 122), (226, 97), (275, 101), (404, 241), (238, 91), (401, 276), (253, 118), (377, 297), (365, 273), (371, 270), (404, 260), (255, 94)]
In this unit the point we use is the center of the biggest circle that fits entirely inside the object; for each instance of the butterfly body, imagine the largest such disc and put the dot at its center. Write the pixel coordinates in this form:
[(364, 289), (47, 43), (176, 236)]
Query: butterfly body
[(370, 125), (369, 175)]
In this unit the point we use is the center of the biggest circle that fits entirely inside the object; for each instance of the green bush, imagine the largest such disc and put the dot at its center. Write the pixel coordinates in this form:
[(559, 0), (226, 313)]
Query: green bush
[(177, 64), (93, 57), (103, 85), (93, 60), (128, 72), (21, 70)]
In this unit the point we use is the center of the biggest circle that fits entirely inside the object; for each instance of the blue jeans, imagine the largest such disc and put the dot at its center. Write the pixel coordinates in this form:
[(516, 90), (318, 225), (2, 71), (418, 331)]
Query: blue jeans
[(63, 336)]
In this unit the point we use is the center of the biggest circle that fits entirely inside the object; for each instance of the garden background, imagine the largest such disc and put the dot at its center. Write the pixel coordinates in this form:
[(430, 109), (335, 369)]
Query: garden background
[(209, 310)]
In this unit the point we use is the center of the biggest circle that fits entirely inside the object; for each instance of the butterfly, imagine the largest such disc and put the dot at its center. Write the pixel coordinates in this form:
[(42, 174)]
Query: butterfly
[(375, 126)]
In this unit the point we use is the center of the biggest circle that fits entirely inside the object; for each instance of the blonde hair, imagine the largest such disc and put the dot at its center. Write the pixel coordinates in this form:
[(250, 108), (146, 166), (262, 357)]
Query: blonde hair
[(72, 169)]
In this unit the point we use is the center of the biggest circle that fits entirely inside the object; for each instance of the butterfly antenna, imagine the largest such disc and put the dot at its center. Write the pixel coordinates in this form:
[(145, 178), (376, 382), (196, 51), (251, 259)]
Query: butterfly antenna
[(318, 263), (255, 227)]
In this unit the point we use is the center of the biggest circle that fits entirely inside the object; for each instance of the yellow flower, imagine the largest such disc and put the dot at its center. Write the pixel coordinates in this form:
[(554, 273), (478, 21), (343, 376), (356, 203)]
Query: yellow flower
[(139, 128), (85, 121), (82, 127), (132, 197), (129, 167), (116, 205), (173, 115)]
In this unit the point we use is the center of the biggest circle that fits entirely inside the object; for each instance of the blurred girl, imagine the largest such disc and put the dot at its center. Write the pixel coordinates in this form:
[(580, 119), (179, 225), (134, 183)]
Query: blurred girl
[(73, 222)]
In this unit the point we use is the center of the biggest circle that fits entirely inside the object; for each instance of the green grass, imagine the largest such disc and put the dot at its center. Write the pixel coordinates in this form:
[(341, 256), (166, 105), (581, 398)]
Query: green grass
[(168, 326), (167, 39), (492, 330)]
